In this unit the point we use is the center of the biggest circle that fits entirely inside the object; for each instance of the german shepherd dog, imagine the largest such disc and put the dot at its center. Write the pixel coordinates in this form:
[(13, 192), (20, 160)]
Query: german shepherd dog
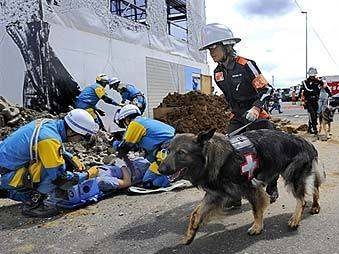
[(210, 162), (325, 119)]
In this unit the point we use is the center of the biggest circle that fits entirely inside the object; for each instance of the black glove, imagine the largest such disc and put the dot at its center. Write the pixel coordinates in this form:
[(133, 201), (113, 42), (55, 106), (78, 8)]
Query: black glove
[(100, 112)]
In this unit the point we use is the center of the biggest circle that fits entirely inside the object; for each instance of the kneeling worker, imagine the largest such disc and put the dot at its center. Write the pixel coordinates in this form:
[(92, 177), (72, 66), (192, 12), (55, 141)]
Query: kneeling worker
[(130, 93), (32, 160), (148, 134)]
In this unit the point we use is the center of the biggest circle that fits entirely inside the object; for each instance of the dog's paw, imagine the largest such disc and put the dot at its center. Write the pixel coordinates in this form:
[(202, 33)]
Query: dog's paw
[(315, 209), (293, 223), (254, 230)]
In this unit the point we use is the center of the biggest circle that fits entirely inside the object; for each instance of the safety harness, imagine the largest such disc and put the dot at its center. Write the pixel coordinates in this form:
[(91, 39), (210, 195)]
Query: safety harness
[(32, 173), (33, 144)]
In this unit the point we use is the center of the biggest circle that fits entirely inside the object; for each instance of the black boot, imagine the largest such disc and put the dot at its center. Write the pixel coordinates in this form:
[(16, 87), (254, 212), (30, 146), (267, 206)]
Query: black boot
[(36, 207), (39, 210), (4, 193)]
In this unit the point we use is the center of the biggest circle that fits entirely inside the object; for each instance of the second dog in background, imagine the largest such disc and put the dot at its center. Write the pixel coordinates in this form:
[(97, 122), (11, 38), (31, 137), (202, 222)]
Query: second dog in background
[(325, 119)]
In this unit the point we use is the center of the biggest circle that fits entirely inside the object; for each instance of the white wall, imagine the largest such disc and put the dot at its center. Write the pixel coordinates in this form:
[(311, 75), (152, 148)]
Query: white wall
[(12, 69), (85, 55)]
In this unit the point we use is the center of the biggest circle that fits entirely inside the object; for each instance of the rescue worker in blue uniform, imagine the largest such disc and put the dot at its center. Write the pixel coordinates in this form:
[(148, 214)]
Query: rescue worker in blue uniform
[(129, 93), (91, 95), (245, 88), (32, 160), (150, 135)]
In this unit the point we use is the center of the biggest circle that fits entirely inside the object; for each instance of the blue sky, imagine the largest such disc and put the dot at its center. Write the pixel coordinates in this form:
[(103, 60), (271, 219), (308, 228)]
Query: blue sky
[(273, 34)]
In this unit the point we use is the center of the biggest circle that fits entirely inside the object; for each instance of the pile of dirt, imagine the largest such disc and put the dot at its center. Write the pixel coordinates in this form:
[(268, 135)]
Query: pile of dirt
[(194, 112)]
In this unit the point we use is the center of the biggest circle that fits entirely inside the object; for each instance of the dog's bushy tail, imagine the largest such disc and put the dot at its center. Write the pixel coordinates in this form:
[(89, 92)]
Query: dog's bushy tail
[(303, 175), (316, 178), (319, 170)]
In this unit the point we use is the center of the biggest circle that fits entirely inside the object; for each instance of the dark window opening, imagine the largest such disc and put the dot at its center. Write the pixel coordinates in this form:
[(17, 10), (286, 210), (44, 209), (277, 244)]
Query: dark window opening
[(133, 9), (177, 18)]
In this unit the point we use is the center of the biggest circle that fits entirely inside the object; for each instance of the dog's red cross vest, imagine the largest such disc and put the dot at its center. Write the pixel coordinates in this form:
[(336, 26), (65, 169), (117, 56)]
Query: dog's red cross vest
[(250, 158)]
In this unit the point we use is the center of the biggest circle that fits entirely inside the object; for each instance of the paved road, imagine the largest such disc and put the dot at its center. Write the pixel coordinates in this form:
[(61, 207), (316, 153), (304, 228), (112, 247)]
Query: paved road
[(295, 112), (155, 223)]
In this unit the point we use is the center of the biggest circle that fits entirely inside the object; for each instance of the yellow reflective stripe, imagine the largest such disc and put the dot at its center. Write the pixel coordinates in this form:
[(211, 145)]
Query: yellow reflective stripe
[(50, 153), (154, 167), (100, 91), (17, 180), (35, 171), (91, 112), (134, 133), (160, 156)]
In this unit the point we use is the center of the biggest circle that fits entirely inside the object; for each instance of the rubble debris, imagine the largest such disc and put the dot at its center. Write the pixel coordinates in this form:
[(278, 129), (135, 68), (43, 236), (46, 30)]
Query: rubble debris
[(194, 112), (97, 154), (289, 129), (12, 117), (302, 127)]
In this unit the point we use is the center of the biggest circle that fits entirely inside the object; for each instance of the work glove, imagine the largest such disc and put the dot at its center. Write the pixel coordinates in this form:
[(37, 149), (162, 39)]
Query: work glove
[(136, 103), (80, 166), (116, 145), (252, 114), (93, 172)]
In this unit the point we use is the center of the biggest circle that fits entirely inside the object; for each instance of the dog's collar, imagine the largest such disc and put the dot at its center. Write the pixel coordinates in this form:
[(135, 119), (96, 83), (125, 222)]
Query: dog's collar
[(250, 157)]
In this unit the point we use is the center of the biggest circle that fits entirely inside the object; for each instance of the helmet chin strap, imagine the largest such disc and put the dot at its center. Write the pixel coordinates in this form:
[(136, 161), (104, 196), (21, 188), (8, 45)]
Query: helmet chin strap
[(229, 54)]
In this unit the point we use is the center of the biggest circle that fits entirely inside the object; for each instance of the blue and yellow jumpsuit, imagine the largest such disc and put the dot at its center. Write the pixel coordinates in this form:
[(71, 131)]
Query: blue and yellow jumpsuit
[(152, 136), (135, 96), (90, 96), (22, 176)]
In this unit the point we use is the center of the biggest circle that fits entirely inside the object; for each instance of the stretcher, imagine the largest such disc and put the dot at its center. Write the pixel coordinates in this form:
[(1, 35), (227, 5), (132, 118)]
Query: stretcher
[(175, 185), (79, 195)]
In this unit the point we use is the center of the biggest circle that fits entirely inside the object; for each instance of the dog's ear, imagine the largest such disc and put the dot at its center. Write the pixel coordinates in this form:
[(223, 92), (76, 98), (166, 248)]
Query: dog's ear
[(205, 136)]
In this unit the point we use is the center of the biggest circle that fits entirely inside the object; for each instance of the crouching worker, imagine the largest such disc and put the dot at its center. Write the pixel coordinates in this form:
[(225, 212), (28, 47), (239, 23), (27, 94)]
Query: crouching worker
[(91, 95), (120, 174), (148, 134), (32, 163), (129, 93)]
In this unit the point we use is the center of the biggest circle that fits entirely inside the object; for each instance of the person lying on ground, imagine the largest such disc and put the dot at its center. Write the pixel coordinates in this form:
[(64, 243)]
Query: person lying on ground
[(120, 174)]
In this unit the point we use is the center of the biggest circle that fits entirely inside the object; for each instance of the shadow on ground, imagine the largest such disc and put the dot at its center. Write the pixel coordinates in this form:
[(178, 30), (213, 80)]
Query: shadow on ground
[(235, 240), (216, 236), (11, 218), (174, 221)]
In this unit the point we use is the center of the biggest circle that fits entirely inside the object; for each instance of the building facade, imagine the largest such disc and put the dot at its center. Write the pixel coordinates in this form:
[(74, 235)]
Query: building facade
[(49, 47)]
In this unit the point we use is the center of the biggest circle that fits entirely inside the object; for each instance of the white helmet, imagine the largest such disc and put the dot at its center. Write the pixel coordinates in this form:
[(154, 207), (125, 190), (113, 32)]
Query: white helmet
[(312, 71), (81, 122), (114, 82), (102, 79), (126, 111), (217, 33)]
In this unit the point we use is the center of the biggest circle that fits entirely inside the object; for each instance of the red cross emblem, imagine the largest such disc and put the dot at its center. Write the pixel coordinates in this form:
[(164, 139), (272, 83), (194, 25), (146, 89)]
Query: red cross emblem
[(251, 163)]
